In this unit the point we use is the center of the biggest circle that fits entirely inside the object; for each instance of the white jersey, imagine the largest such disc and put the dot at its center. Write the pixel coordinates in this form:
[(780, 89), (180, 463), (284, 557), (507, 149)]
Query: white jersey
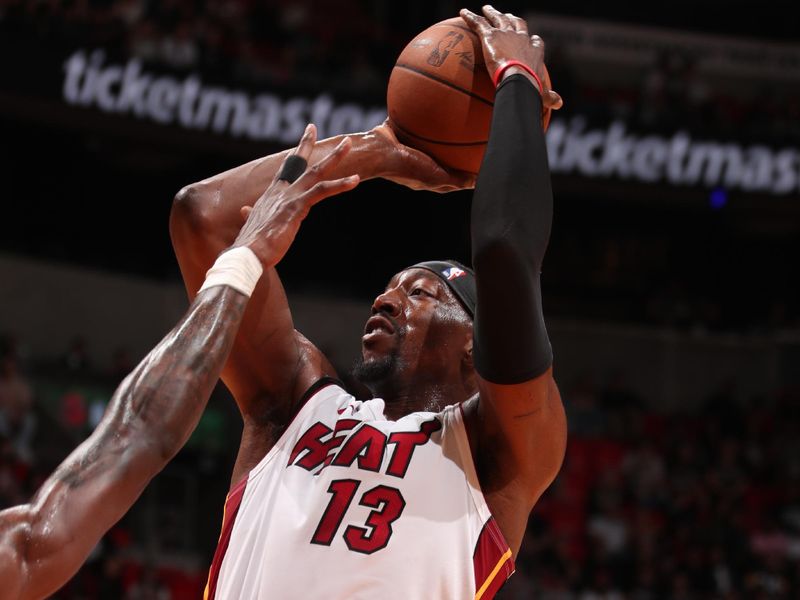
[(350, 505)]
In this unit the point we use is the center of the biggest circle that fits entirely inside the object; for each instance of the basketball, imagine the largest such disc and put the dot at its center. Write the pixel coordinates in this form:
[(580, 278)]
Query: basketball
[(440, 96)]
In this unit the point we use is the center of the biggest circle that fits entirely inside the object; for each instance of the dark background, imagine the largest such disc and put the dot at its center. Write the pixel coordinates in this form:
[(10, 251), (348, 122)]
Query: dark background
[(92, 189), (85, 189)]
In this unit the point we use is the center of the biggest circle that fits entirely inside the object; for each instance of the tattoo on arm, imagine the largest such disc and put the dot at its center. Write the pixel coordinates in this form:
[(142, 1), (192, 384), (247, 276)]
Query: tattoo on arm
[(73, 475)]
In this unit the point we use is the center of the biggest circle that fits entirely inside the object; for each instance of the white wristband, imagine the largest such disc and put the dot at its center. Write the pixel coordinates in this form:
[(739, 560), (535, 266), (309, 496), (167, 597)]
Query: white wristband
[(238, 268)]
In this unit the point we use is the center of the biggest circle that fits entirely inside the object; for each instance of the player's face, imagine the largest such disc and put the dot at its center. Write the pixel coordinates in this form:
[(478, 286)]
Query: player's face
[(417, 328)]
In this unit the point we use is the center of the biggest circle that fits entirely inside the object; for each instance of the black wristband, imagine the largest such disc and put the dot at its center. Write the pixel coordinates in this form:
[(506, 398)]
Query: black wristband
[(292, 168)]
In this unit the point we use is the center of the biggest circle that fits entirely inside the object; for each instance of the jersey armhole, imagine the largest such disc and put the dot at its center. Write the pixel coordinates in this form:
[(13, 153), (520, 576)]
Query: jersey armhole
[(320, 383), (492, 557)]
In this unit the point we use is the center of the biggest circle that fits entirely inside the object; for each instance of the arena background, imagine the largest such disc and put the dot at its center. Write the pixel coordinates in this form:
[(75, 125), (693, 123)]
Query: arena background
[(670, 285)]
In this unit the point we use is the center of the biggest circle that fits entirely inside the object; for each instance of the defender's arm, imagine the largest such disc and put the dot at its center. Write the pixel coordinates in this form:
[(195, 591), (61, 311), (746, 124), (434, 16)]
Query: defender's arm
[(157, 406), (150, 417)]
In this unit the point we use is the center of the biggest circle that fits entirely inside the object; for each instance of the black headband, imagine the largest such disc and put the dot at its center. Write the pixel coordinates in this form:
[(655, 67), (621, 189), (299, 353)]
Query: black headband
[(459, 278)]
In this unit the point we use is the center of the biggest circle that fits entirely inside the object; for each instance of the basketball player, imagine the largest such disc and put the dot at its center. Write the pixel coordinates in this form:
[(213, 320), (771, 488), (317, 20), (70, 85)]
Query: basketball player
[(152, 412), (424, 491)]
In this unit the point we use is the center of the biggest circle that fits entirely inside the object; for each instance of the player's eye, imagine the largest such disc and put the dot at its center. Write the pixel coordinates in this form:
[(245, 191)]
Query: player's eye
[(421, 292)]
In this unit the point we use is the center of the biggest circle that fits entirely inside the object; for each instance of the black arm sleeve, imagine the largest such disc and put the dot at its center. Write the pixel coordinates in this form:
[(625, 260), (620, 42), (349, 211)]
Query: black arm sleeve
[(512, 213)]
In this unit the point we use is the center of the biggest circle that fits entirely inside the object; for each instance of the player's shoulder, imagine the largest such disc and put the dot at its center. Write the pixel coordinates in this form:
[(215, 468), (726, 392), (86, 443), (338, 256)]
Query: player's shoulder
[(469, 407), (313, 366)]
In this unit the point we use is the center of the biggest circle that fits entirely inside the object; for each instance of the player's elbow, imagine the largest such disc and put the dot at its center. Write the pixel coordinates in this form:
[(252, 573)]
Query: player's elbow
[(491, 241), (190, 215)]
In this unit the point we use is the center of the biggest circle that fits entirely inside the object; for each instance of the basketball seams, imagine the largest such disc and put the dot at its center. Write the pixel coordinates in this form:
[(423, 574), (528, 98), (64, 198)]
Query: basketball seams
[(449, 84), (465, 28), (405, 131), (441, 89)]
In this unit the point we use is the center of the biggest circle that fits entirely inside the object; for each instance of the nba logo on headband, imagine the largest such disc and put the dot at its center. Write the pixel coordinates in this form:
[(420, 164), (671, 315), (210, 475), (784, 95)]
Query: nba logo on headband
[(453, 273), (458, 278)]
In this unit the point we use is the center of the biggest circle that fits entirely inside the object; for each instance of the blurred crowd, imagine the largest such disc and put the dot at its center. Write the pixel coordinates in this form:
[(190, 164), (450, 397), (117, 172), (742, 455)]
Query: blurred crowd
[(689, 505), (673, 94), (47, 407), (350, 46), (701, 504), (238, 41)]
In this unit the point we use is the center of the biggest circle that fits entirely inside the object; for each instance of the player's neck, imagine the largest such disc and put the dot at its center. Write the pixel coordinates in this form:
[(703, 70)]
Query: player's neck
[(405, 398)]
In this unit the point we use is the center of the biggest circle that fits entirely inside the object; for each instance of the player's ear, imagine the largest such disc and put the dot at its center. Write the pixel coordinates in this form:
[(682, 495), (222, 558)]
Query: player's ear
[(468, 352), (468, 366)]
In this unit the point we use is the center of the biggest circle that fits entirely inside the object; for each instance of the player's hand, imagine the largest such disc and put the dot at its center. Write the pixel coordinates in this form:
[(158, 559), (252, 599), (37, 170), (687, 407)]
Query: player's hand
[(274, 220), (415, 169), (504, 37)]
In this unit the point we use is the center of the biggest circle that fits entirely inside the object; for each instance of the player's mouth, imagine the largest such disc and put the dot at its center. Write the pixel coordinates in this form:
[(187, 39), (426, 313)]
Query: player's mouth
[(377, 325)]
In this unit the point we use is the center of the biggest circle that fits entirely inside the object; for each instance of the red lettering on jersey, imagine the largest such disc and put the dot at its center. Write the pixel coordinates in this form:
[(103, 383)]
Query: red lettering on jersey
[(407, 441), (388, 503), (343, 491), (315, 447), (367, 444)]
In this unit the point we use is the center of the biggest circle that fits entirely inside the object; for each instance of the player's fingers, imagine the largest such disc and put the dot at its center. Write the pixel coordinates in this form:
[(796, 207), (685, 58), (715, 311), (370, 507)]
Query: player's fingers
[(552, 100), (295, 163), (245, 211), (331, 187), (517, 23), (496, 18), (306, 145), (477, 23), (537, 42), (458, 180), (327, 163)]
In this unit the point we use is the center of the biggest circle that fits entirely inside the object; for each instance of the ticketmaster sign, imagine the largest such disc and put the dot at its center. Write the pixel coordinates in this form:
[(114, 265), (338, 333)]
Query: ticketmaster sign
[(677, 160), (128, 90), (573, 147)]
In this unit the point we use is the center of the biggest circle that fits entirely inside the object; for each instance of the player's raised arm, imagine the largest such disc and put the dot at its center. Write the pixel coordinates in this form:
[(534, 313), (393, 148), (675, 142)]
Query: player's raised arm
[(155, 409), (522, 424), (271, 365)]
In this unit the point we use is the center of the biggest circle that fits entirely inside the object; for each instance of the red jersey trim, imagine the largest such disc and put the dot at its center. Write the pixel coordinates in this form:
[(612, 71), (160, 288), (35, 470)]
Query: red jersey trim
[(236, 494), (492, 560), (231, 509)]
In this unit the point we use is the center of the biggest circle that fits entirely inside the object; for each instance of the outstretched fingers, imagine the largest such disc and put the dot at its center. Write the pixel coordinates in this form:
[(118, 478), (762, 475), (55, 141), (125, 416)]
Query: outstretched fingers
[(519, 24), (316, 181), (330, 187), (306, 145), (323, 167), (496, 18), (475, 22), (296, 161), (552, 100)]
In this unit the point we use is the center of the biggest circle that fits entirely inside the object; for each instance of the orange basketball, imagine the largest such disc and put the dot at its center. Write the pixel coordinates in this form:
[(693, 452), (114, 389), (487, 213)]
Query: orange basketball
[(440, 96)]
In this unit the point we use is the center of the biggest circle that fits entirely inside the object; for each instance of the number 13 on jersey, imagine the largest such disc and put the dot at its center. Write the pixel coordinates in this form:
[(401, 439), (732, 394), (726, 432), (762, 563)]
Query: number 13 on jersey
[(387, 504)]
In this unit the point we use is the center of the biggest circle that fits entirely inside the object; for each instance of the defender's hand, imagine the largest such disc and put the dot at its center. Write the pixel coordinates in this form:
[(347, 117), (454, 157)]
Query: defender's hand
[(415, 169), (504, 37), (273, 222)]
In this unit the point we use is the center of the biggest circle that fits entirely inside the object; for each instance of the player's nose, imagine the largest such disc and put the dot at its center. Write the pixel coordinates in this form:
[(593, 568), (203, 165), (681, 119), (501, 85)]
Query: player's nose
[(388, 303)]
